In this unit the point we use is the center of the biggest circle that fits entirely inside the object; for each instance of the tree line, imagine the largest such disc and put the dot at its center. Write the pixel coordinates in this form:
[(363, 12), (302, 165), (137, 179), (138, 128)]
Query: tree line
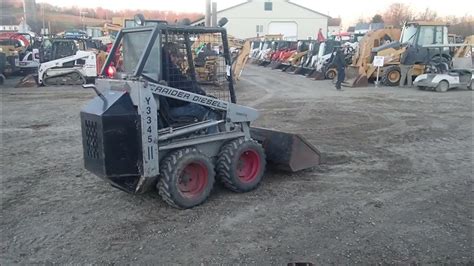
[(398, 13)]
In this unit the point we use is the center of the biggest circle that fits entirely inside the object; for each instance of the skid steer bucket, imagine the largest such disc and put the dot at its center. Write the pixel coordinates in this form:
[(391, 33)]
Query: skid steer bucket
[(30, 80), (318, 75), (355, 77), (285, 151)]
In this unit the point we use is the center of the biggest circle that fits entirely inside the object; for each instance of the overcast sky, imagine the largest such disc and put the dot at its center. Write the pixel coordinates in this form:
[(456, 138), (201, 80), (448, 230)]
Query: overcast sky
[(348, 10)]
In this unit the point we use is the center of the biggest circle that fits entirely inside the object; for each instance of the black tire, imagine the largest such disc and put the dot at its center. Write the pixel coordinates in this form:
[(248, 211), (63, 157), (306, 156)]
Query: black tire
[(331, 72), (391, 76), (241, 165), (469, 86), (176, 185), (443, 86)]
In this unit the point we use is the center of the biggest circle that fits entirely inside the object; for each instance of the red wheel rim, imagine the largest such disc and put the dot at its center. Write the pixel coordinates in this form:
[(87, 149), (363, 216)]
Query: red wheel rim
[(193, 180), (248, 166)]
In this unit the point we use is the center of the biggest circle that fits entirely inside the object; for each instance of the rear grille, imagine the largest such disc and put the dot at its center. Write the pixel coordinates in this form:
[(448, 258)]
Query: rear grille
[(92, 144)]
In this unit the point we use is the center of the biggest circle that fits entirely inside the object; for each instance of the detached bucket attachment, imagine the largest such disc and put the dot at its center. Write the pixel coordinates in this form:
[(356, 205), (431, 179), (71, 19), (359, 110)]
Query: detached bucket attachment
[(318, 75), (281, 66), (303, 71), (288, 152), (274, 64), (289, 69), (355, 77), (28, 81)]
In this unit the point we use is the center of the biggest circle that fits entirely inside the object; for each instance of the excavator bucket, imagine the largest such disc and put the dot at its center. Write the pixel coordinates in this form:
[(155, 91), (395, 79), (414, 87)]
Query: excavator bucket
[(355, 77), (28, 81), (285, 151)]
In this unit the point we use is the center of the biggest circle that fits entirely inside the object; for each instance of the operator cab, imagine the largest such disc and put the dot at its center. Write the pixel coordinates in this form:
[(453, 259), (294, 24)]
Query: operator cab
[(203, 62), (420, 33)]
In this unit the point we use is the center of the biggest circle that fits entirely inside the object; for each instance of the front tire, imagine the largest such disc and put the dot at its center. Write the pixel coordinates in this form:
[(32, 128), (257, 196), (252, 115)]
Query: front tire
[(241, 165), (331, 72), (443, 86), (391, 76), (187, 178)]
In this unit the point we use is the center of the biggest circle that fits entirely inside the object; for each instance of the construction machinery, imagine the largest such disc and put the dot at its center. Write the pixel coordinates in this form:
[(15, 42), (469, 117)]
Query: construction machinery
[(299, 58), (326, 69), (392, 44), (358, 73), (275, 49), (292, 56), (11, 47), (21, 49), (71, 70), (460, 75), (133, 139), (308, 59), (66, 62), (240, 60), (326, 49), (284, 50), (3, 62)]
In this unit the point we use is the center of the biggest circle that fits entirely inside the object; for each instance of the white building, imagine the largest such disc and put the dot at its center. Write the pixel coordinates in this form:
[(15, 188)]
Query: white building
[(260, 17)]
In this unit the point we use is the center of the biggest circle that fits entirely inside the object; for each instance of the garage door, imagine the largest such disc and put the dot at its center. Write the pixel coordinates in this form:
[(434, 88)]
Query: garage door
[(288, 29)]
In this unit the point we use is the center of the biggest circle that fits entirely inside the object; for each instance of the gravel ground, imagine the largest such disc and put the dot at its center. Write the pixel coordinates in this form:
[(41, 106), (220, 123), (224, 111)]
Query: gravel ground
[(395, 185)]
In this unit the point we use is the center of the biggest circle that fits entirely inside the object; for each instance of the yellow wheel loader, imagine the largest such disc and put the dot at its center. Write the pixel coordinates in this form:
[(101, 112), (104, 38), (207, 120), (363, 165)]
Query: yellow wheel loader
[(383, 42)]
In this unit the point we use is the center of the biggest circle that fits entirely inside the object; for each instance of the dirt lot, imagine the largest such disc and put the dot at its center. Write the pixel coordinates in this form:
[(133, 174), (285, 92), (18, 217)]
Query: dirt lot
[(395, 186)]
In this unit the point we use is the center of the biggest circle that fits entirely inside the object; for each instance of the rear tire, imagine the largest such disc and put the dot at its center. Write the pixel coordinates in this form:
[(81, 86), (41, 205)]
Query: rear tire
[(187, 178), (443, 86), (391, 76), (469, 86), (241, 165)]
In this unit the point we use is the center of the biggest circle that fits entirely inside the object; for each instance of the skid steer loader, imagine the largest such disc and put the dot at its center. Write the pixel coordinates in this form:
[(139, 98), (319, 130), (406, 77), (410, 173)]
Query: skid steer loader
[(133, 138), (71, 70)]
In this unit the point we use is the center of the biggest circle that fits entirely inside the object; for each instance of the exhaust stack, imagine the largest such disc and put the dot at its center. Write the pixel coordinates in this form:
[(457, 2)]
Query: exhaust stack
[(207, 20), (214, 15)]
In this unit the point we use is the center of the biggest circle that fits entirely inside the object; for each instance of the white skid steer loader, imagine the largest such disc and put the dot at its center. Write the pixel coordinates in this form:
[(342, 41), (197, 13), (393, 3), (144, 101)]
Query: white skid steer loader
[(137, 135), (71, 70)]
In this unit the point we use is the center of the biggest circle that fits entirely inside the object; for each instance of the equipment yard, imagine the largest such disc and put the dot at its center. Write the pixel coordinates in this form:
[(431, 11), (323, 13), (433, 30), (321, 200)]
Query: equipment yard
[(394, 186)]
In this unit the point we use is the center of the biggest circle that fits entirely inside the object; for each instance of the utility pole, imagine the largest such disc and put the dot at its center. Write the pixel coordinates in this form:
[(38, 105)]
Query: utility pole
[(42, 11), (83, 13), (24, 11)]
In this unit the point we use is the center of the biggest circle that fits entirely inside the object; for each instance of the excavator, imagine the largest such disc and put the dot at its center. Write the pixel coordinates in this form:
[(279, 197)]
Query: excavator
[(392, 44)]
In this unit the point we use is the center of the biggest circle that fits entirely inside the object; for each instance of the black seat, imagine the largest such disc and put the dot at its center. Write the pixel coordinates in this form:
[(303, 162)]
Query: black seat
[(167, 120)]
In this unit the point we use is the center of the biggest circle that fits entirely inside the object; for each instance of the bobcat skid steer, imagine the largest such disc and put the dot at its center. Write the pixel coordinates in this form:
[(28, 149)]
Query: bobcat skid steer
[(133, 139)]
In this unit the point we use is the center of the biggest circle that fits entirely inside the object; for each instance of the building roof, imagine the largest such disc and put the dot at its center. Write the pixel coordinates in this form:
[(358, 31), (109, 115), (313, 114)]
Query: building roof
[(309, 9), (248, 1)]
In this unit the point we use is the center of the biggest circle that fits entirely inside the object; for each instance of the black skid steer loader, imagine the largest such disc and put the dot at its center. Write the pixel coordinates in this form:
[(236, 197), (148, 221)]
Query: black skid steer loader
[(154, 125)]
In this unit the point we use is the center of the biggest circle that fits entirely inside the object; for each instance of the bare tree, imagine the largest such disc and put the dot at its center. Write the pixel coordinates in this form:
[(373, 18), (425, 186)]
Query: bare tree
[(427, 15), (377, 19), (397, 14)]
